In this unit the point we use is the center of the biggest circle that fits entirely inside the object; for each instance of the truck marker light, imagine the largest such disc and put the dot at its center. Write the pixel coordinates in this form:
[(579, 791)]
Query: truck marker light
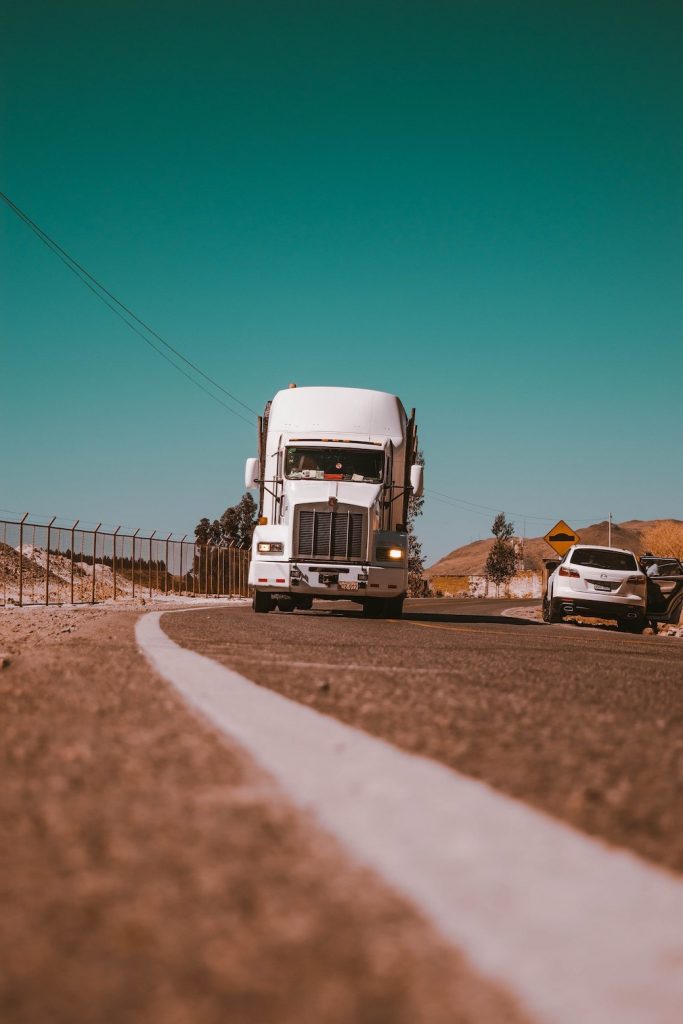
[(263, 520), (269, 547), (262, 579), (281, 581)]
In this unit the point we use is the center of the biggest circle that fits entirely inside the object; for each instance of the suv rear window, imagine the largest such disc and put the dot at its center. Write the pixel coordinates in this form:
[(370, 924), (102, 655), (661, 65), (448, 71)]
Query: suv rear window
[(598, 558)]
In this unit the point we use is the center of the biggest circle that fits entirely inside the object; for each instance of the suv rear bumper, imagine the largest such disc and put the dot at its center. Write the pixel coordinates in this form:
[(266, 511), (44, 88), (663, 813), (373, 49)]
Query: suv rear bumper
[(580, 605)]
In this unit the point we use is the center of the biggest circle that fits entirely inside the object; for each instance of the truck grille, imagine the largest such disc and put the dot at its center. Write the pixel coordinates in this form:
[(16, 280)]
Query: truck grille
[(335, 534)]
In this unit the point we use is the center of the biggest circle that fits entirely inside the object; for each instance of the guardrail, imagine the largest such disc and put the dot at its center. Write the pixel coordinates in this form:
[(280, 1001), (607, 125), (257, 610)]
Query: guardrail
[(56, 563)]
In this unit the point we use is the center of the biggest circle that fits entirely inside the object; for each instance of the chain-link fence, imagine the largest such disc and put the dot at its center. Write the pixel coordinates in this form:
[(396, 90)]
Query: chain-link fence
[(49, 563)]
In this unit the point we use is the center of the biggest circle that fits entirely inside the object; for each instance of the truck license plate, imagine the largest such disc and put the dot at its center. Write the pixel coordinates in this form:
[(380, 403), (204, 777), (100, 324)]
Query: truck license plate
[(352, 585)]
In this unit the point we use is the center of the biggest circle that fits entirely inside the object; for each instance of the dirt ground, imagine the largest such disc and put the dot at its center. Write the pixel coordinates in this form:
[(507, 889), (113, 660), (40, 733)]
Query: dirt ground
[(149, 872)]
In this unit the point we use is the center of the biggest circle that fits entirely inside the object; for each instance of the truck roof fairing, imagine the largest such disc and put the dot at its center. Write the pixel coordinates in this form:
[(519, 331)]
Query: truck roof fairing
[(350, 413)]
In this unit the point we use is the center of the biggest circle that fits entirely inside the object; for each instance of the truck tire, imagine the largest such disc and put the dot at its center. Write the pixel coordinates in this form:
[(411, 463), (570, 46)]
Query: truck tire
[(383, 608), (374, 608), (285, 603), (261, 602)]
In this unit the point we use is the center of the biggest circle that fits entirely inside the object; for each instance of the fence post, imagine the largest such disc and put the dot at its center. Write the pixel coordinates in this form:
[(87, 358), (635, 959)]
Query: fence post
[(73, 552), (182, 547), (113, 558), (149, 566), (21, 559), (94, 556), (166, 566), (245, 572), (133, 560), (47, 564)]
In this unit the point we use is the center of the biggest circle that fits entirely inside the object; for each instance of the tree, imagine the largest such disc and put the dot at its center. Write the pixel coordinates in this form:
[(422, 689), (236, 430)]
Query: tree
[(502, 558), (418, 586), (235, 526)]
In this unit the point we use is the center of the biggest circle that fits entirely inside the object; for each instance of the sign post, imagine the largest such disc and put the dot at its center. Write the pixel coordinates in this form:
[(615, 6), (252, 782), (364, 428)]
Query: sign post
[(561, 538)]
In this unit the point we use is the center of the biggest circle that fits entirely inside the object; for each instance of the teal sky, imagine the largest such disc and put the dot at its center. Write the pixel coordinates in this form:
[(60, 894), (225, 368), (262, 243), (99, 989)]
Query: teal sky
[(477, 206)]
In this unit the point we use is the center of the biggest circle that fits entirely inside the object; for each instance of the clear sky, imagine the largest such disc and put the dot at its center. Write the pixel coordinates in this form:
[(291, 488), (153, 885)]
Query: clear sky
[(475, 205)]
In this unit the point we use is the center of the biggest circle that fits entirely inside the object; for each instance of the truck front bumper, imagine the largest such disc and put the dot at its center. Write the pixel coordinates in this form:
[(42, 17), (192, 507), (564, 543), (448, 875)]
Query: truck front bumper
[(327, 580)]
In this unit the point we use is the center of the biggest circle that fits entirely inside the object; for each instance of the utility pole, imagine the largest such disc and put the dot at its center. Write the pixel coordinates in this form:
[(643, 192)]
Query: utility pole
[(609, 531)]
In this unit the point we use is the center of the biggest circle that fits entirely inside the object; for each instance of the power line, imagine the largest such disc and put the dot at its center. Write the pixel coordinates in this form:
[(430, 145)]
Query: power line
[(127, 315), (99, 290), (474, 507)]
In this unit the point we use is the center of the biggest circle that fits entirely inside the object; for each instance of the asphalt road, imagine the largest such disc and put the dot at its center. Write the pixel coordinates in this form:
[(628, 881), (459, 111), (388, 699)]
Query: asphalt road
[(586, 724)]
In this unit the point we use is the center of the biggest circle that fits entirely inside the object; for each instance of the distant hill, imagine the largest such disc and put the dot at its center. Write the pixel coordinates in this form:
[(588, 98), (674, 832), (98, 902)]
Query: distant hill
[(470, 560)]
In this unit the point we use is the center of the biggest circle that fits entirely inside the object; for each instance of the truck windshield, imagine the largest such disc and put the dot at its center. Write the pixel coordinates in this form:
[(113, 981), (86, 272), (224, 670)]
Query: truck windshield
[(349, 464)]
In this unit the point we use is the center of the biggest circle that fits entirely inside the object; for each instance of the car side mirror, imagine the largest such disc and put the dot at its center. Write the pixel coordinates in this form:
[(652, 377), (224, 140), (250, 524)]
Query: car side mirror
[(251, 474), (417, 480)]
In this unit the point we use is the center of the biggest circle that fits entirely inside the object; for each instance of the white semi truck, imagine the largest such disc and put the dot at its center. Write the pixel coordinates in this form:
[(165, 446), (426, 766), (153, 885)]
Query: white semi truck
[(335, 471)]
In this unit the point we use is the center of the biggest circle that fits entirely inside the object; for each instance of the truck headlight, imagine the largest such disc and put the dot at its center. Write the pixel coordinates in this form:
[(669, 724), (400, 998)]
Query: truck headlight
[(390, 554), (269, 547)]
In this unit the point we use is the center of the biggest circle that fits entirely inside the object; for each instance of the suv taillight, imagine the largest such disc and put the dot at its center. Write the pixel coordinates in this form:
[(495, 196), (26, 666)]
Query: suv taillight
[(636, 579), (564, 571)]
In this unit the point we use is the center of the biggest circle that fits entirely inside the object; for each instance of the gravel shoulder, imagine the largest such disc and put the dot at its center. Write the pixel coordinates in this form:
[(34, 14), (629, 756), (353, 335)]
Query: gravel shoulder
[(150, 872)]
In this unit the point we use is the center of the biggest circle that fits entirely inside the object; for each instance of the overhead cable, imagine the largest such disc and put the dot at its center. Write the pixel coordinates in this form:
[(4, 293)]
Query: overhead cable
[(474, 507), (98, 289)]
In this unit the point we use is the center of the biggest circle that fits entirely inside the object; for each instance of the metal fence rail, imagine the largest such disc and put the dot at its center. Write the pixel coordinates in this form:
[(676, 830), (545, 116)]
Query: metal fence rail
[(52, 563)]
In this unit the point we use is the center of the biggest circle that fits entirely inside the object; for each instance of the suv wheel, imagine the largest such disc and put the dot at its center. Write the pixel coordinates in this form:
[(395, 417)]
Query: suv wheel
[(632, 625), (547, 613)]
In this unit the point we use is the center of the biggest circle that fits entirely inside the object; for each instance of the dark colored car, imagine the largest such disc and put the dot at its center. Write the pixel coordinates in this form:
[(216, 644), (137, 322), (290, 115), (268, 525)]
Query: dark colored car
[(664, 587)]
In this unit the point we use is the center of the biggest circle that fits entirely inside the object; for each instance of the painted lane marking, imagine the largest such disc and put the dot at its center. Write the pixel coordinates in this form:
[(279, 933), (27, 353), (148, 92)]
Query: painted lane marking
[(336, 666), (578, 931)]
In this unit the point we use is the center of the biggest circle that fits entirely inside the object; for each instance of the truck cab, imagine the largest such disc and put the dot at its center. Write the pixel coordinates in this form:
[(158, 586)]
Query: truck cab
[(335, 471)]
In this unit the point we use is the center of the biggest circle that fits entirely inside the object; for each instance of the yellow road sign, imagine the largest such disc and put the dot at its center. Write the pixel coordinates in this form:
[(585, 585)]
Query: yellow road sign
[(561, 537)]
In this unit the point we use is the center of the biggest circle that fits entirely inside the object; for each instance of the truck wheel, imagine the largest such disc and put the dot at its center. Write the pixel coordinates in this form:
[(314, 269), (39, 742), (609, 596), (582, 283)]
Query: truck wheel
[(374, 608), (261, 602), (394, 607), (305, 603), (285, 603)]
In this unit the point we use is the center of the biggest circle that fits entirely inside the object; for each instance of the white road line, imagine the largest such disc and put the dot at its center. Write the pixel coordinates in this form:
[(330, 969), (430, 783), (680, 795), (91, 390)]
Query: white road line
[(580, 932)]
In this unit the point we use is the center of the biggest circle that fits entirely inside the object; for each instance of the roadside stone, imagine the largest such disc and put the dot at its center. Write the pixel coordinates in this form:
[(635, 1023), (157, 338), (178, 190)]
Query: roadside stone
[(5, 660)]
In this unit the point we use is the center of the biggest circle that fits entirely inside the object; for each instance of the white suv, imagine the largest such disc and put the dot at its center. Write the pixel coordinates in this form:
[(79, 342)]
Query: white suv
[(605, 583)]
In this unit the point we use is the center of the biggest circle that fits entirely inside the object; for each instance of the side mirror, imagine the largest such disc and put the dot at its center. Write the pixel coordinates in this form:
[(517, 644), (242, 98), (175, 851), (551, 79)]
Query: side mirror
[(417, 480), (251, 474)]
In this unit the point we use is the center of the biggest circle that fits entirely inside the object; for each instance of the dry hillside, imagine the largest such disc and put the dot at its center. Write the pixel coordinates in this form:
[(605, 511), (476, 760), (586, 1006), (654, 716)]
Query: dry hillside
[(470, 559)]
